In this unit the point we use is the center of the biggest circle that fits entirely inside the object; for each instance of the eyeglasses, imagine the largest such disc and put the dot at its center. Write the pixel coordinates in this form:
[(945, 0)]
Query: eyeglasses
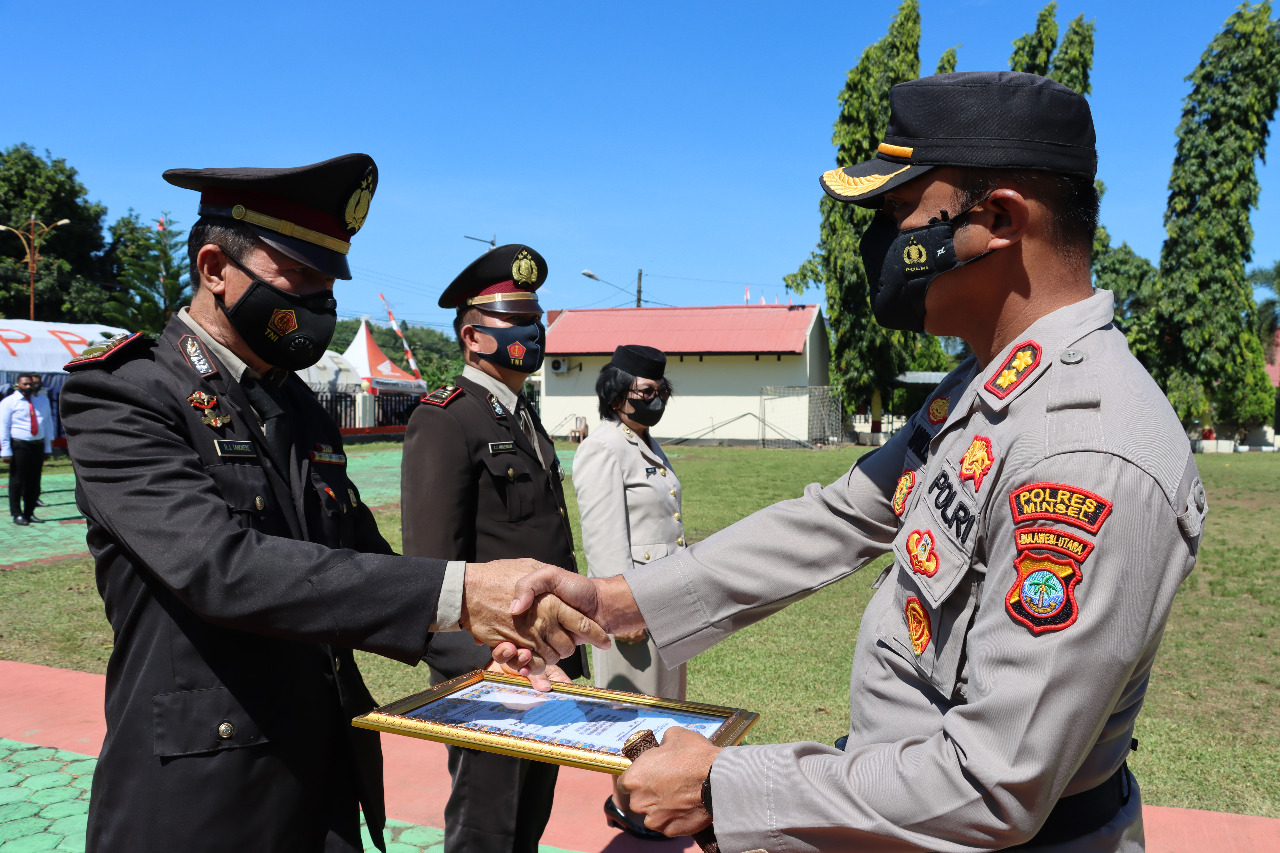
[(662, 392)]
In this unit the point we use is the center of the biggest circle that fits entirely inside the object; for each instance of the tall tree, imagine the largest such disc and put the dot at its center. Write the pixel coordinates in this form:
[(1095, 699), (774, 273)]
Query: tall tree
[(947, 62), (70, 262), (1033, 51), (865, 357), (153, 272), (1073, 61), (1208, 358)]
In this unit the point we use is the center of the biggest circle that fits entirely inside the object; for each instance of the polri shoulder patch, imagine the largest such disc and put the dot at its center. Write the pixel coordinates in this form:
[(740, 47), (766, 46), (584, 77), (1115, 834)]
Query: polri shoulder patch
[(906, 483), (1020, 364), (919, 626), (1056, 502), (442, 396), (1043, 595), (100, 354)]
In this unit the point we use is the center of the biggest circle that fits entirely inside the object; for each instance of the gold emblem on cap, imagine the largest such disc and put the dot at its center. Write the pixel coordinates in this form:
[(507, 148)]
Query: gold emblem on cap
[(358, 204), (524, 268), (841, 184)]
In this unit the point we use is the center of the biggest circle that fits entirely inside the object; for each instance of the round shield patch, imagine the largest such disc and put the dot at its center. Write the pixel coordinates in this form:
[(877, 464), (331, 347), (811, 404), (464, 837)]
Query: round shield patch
[(1043, 596), (918, 625)]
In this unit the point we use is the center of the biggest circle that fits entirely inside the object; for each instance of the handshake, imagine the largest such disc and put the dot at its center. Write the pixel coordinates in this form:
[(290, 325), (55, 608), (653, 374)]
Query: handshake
[(532, 614)]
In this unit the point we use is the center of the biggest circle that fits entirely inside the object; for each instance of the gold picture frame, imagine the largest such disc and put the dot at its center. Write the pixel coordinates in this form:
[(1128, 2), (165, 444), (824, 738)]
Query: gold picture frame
[(469, 711)]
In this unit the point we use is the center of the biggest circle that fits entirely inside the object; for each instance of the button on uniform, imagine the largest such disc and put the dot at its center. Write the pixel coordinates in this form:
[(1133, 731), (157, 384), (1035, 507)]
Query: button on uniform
[(680, 541), (676, 516), (259, 503), (226, 731)]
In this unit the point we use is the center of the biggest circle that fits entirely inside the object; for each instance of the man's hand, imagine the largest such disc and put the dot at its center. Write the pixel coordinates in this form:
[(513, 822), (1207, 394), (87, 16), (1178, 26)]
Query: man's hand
[(665, 784), (551, 674), (549, 629)]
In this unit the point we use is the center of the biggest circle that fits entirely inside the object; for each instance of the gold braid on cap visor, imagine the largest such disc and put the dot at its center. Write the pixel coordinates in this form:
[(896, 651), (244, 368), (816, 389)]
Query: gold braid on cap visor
[(500, 297), (838, 182), (289, 229)]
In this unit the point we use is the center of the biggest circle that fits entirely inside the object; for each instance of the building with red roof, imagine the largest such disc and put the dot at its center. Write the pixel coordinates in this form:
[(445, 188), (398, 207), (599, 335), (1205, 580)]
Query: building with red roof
[(718, 359)]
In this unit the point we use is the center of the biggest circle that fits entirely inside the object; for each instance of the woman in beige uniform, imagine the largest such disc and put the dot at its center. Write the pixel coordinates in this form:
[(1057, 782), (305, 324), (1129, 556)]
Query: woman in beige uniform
[(629, 500)]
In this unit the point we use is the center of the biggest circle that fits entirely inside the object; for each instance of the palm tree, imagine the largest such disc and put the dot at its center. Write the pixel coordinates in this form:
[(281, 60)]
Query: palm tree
[(1044, 585)]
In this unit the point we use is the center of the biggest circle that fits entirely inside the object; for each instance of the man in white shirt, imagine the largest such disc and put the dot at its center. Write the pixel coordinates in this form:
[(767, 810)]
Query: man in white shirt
[(26, 441)]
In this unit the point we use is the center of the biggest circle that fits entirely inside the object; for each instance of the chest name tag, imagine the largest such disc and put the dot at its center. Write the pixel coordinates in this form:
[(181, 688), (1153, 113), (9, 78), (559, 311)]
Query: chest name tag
[(496, 447), (649, 472), (235, 448)]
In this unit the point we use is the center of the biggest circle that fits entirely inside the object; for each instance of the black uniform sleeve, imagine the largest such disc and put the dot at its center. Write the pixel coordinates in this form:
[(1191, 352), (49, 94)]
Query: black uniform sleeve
[(138, 477)]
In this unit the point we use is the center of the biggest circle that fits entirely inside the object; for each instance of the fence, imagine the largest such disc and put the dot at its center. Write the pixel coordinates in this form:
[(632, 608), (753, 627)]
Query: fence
[(800, 416)]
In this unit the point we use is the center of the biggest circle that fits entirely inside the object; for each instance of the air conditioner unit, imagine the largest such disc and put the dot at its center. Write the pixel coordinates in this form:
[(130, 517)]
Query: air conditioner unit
[(559, 365)]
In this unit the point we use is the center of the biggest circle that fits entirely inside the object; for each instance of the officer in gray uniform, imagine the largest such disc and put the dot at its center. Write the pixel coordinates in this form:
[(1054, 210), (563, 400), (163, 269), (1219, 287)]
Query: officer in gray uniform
[(1042, 509)]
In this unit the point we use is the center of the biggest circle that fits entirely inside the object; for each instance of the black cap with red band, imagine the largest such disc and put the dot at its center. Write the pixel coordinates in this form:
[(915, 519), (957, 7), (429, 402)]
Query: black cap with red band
[(502, 281), (308, 212)]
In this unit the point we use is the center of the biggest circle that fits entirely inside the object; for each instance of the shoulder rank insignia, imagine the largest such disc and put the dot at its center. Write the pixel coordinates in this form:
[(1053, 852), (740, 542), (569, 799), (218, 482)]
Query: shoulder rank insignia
[(193, 352), (324, 453), (498, 411), (924, 560), (906, 483), (1056, 502), (1020, 364), (99, 354), (208, 404), (977, 461), (1043, 595), (918, 625), (442, 396), (1051, 539), (939, 409)]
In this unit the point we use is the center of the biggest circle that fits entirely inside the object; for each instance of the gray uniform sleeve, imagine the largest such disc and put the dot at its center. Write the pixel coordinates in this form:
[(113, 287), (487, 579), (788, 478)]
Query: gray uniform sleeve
[(1051, 695), (602, 504), (697, 597)]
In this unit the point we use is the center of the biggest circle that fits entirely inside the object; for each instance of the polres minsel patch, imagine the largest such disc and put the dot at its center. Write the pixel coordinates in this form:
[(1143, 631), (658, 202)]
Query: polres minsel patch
[(1058, 502)]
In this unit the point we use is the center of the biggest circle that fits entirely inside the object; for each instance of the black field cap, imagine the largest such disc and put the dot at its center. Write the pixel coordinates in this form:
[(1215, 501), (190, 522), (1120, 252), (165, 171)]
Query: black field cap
[(308, 212), (975, 119), (644, 362), (502, 280)]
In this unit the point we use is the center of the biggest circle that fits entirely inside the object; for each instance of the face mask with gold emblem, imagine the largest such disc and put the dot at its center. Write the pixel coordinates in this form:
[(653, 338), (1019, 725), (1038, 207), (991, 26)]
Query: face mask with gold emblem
[(283, 329), (901, 265)]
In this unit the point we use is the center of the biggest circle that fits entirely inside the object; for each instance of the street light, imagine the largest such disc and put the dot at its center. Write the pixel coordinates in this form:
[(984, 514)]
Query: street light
[(639, 277), (31, 242)]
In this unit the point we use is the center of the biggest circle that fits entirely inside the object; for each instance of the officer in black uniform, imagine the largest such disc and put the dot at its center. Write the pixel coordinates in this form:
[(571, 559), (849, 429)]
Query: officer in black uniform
[(480, 481), (238, 564)]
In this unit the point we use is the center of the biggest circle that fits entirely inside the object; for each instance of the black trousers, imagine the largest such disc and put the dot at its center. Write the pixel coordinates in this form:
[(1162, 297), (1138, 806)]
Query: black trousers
[(24, 476), (498, 804)]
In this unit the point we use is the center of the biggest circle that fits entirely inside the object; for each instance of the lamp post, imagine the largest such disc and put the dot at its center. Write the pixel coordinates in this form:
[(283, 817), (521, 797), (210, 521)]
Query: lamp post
[(31, 242), (639, 277)]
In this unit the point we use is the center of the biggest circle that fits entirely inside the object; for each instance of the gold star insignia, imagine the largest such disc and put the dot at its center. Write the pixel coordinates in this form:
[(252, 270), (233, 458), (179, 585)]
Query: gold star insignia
[(1007, 378), (1022, 360)]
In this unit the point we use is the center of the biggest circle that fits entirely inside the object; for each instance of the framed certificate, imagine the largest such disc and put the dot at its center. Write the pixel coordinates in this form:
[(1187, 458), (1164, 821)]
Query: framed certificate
[(572, 725)]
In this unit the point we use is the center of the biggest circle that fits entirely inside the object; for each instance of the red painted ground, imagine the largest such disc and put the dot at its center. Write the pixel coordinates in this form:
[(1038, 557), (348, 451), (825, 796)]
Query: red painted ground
[(63, 709)]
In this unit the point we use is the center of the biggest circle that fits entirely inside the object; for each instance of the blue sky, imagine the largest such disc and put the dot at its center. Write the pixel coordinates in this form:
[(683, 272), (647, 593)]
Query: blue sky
[(682, 138)]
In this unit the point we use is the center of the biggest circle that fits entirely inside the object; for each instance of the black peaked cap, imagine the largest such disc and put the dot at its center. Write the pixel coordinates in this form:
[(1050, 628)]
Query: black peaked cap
[(502, 280)]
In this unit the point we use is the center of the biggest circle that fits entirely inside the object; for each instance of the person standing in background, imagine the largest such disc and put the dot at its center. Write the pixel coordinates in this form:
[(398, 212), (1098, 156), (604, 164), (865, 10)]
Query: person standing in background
[(26, 441), (629, 501), (480, 478)]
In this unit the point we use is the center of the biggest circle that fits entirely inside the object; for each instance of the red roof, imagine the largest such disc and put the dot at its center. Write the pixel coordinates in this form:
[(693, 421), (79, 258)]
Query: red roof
[(710, 330)]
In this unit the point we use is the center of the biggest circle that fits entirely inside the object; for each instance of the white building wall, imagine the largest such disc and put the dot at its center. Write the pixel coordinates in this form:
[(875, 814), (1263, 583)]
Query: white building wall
[(711, 391)]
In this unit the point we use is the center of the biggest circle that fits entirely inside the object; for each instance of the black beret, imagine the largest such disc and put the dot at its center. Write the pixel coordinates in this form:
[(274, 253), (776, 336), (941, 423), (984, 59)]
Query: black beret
[(308, 212), (641, 361), (973, 119), (502, 280)]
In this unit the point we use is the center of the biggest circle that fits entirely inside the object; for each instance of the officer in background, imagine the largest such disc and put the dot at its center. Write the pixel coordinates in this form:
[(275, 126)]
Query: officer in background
[(480, 481), (26, 443), (1042, 509), (237, 561)]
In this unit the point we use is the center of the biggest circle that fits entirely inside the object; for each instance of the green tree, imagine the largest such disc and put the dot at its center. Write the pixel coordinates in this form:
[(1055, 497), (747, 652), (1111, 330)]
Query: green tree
[(1207, 354), (153, 272), (1268, 317), (71, 279), (865, 357), (947, 62), (1033, 51), (1073, 61)]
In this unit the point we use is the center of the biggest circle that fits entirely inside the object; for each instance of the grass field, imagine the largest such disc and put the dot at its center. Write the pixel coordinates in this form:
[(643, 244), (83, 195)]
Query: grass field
[(1209, 733)]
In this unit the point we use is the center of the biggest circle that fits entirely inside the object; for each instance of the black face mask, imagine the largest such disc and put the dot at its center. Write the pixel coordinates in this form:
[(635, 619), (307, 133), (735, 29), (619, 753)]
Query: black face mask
[(30, 391), (647, 412), (520, 348), (901, 265), (283, 329)]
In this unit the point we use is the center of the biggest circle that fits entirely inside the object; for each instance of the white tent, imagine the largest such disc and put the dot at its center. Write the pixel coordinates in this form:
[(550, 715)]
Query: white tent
[(331, 373), (31, 346), (371, 363)]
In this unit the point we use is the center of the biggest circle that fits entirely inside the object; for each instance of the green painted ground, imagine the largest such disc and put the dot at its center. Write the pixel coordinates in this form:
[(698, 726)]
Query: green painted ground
[(62, 534), (44, 805)]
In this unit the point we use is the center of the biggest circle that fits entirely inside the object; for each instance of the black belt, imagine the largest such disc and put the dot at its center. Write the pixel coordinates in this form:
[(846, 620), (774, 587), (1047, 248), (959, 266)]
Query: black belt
[(1080, 814)]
